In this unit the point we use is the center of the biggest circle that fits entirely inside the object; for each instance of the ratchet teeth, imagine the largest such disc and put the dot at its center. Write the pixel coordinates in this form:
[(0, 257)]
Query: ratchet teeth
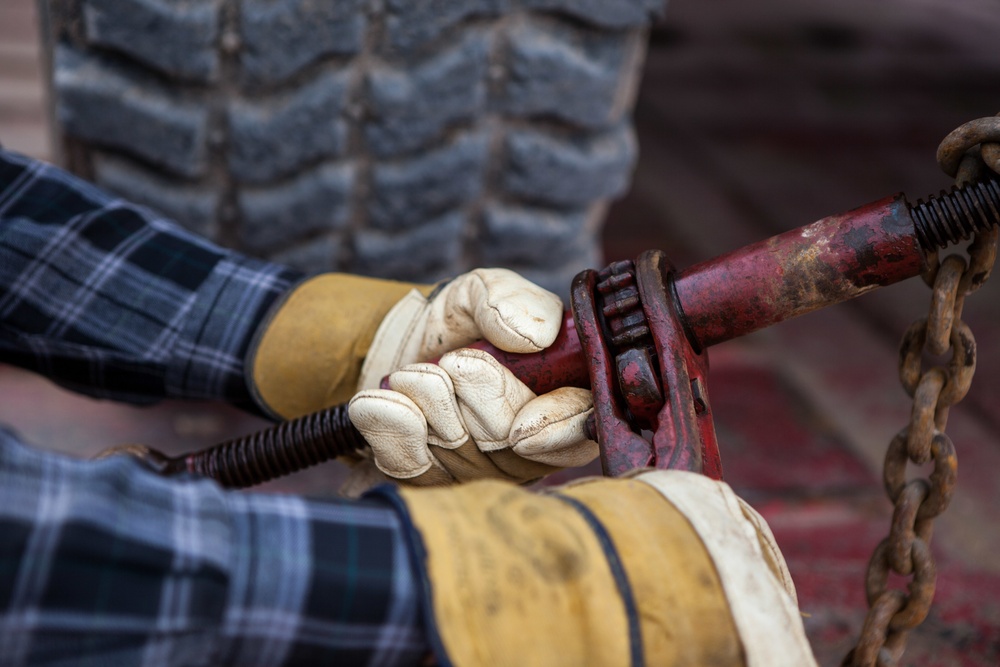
[(621, 306)]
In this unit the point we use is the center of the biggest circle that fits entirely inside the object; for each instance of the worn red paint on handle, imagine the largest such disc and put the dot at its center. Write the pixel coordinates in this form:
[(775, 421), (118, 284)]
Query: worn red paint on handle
[(560, 365), (830, 261)]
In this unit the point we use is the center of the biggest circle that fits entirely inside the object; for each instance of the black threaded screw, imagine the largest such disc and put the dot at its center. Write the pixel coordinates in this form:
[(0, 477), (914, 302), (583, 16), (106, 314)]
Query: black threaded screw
[(280, 450), (956, 215)]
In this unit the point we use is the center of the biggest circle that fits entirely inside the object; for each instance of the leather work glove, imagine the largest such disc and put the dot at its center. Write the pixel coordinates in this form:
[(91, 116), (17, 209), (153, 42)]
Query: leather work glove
[(337, 334), (468, 417), (665, 568)]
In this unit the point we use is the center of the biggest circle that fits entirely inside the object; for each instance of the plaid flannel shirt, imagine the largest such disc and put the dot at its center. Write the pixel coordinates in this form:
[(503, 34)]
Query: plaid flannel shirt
[(103, 563)]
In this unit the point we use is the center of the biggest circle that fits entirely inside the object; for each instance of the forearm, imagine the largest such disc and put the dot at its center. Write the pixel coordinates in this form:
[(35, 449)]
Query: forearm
[(104, 562), (111, 300)]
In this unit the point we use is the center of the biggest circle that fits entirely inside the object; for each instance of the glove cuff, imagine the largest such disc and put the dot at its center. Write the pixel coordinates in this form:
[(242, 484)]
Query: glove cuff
[(752, 572), (307, 354), (601, 572)]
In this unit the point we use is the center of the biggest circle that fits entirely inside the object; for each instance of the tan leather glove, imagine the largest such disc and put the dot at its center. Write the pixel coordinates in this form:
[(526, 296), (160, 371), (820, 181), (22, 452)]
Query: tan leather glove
[(336, 334), (667, 568), (307, 354), (468, 417)]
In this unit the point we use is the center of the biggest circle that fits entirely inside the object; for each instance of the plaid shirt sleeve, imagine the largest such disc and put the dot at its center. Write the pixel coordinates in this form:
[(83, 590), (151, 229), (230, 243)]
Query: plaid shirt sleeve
[(111, 300), (103, 563)]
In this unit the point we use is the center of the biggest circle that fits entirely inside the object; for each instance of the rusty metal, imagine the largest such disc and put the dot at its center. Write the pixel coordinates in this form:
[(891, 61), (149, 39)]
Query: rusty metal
[(917, 601), (655, 377), (981, 131), (899, 553), (656, 380), (630, 449), (906, 551), (685, 431), (631, 342), (870, 651), (942, 479), (832, 260)]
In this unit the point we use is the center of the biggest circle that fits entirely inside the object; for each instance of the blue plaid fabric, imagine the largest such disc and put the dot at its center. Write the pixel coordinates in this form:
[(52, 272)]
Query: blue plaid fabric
[(103, 563), (111, 300)]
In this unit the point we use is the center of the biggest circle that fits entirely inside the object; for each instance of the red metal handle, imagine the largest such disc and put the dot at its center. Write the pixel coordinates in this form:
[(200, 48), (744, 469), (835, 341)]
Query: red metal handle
[(830, 261), (562, 364)]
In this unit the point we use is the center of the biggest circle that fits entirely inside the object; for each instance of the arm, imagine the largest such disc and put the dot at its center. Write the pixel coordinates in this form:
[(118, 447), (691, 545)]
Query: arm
[(104, 562), (111, 300)]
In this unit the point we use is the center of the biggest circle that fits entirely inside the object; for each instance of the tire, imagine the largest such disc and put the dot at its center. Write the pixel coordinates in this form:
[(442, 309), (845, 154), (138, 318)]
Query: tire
[(397, 138)]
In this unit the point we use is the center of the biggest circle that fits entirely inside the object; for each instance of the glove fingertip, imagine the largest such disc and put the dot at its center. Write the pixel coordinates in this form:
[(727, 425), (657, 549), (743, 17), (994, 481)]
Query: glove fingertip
[(552, 429), (430, 387), (395, 429), (515, 314), (561, 449)]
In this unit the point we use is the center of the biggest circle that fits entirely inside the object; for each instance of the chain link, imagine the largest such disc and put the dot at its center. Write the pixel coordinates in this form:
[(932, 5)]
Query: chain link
[(892, 614)]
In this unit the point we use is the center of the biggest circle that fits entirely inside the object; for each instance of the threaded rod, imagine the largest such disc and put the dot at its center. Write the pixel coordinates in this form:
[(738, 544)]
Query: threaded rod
[(956, 215), (280, 450)]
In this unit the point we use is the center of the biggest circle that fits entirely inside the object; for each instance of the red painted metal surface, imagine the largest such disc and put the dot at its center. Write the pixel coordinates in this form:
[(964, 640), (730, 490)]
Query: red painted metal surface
[(830, 261), (684, 433), (622, 449), (562, 364), (641, 329), (665, 389)]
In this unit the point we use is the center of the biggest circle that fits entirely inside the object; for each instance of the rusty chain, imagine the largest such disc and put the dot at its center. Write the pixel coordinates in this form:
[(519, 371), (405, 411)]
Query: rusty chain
[(893, 613)]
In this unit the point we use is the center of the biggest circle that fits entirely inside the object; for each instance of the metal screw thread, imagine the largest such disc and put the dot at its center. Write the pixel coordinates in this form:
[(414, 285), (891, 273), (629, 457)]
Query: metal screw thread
[(280, 450), (956, 215)]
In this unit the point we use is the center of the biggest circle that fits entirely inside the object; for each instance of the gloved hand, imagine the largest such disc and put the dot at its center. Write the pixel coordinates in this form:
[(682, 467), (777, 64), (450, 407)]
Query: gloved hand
[(468, 417), (666, 568), (336, 334)]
